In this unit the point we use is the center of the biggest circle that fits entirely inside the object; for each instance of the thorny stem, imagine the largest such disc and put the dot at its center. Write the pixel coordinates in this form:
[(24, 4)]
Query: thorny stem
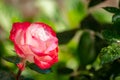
[(18, 74)]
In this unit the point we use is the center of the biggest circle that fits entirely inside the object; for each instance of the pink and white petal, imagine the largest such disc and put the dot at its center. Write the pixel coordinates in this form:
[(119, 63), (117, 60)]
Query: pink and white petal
[(25, 52), (50, 47), (17, 26), (38, 44), (39, 32), (51, 44), (30, 58), (36, 51), (53, 52), (28, 37), (19, 51), (46, 27), (19, 38), (45, 59)]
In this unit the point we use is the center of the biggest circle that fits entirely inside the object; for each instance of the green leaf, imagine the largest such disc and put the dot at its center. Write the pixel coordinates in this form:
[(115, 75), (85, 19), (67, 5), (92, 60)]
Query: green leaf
[(12, 59), (2, 49), (116, 21), (116, 18), (99, 44), (64, 70), (66, 36), (37, 69), (25, 78), (80, 77), (110, 53), (112, 9), (90, 23), (95, 2), (111, 35), (86, 48)]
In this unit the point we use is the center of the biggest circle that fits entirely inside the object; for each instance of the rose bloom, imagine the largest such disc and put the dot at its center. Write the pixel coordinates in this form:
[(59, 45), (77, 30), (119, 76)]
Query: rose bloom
[(36, 43)]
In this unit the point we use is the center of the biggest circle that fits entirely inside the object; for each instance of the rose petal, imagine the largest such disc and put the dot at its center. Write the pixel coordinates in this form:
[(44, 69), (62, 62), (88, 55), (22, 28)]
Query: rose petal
[(21, 66), (35, 42), (37, 51), (19, 51), (41, 64), (16, 27)]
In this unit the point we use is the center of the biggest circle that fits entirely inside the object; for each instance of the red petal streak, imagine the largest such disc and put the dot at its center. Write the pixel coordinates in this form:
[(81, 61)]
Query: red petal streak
[(53, 52), (19, 51), (41, 64), (15, 27), (21, 66)]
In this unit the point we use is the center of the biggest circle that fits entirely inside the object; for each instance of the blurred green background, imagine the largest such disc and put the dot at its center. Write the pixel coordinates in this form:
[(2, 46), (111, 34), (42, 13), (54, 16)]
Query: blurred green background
[(78, 24)]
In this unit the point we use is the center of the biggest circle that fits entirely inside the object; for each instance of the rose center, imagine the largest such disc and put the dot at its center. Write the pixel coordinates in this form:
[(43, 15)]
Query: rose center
[(39, 33)]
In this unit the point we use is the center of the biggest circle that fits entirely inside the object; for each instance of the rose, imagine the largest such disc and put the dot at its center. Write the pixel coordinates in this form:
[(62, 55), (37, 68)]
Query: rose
[(36, 43)]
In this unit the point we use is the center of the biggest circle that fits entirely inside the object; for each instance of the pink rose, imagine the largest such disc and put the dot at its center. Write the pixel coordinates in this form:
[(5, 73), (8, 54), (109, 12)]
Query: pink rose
[(36, 43)]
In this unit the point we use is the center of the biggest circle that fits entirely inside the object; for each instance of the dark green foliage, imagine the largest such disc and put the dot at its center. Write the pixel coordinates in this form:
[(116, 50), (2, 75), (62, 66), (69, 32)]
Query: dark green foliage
[(90, 23), (112, 9), (5, 75), (85, 51), (12, 59), (64, 70), (95, 2), (99, 44), (80, 77), (66, 36), (107, 71), (37, 69), (116, 22), (24, 78), (1, 48), (116, 18), (111, 35), (110, 53)]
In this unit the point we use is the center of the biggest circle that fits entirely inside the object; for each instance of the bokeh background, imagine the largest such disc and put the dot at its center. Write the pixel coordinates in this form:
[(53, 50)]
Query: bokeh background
[(78, 24)]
